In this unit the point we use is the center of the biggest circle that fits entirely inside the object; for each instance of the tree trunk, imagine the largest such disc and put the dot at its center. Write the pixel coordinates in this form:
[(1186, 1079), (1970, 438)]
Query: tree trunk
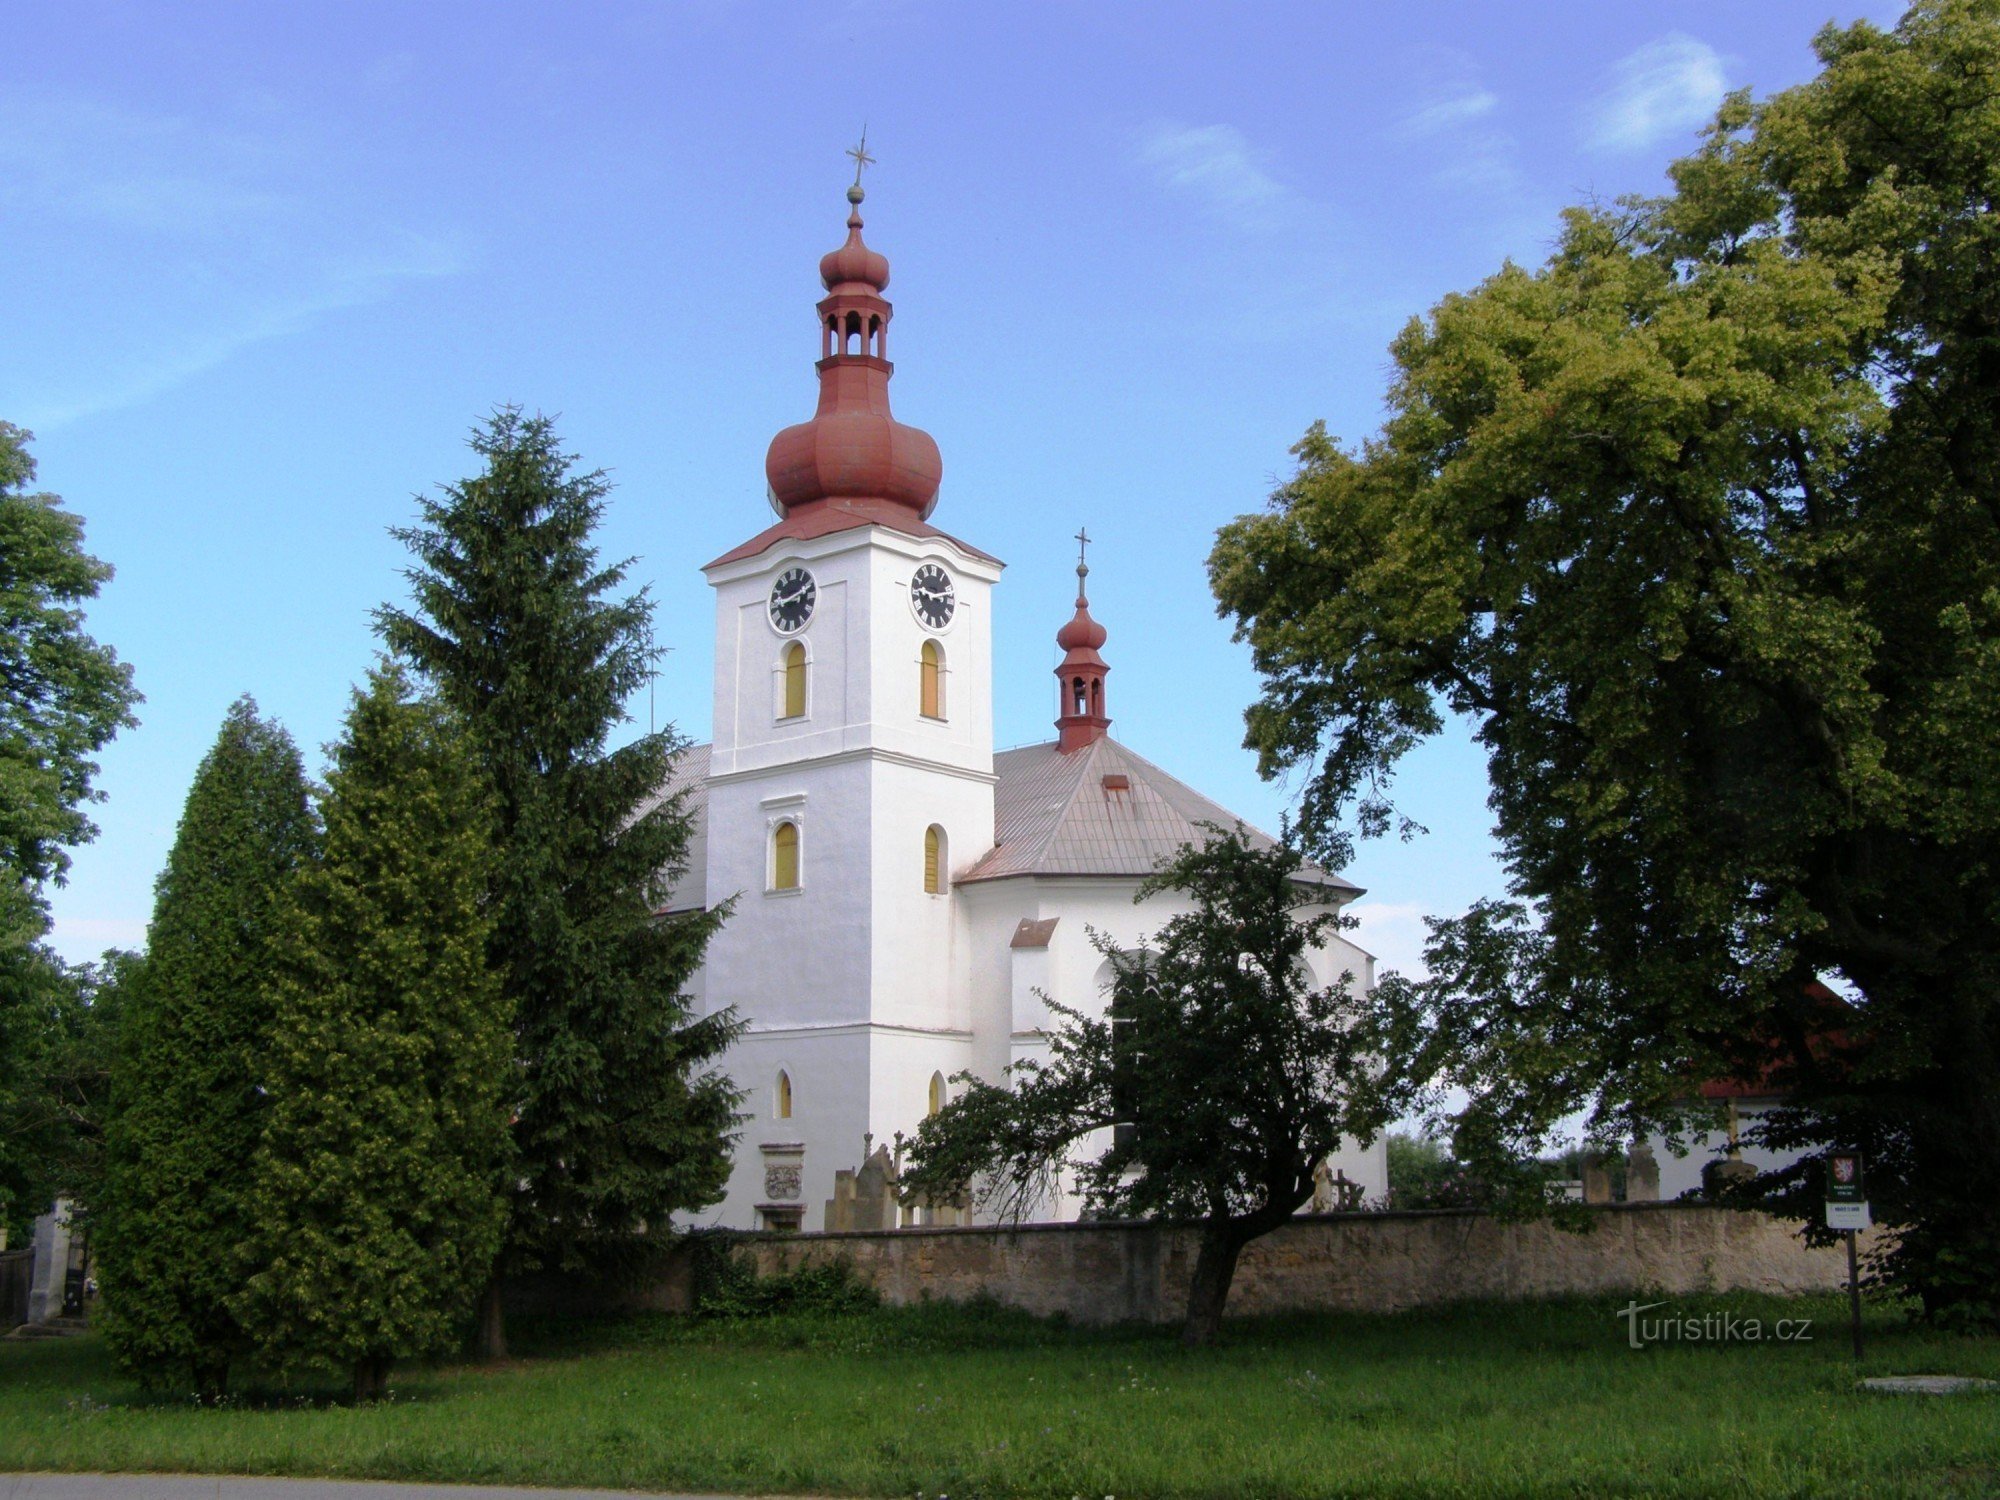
[(492, 1323), (371, 1379), (1214, 1269)]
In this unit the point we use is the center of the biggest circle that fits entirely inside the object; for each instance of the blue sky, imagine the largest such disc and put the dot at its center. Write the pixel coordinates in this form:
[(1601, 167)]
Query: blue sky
[(266, 265)]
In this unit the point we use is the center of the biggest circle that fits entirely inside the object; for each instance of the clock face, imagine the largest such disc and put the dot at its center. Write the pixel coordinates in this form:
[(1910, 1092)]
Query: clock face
[(792, 597), (932, 596)]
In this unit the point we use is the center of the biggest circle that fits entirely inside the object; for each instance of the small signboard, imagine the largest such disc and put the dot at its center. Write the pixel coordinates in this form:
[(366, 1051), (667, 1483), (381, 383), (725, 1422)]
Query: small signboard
[(1843, 1178), (1846, 1215)]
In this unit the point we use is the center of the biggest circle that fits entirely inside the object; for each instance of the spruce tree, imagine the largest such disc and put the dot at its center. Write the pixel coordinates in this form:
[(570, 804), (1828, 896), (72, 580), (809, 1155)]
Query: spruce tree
[(186, 1106), (375, 1207), (621, 1119)]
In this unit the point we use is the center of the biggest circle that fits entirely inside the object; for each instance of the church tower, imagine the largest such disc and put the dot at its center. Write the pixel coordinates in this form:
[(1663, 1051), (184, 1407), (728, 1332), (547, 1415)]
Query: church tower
[(851, 772)]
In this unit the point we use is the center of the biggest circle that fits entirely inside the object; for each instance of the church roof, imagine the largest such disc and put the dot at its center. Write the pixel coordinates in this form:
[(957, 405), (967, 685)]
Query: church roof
[(690, 892), (1099, 810)]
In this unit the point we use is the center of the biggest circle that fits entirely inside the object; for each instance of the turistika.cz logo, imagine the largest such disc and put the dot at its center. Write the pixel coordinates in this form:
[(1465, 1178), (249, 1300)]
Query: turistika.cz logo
[(1708, 1328)]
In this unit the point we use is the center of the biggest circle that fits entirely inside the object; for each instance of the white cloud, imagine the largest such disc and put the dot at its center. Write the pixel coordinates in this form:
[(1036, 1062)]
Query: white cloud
[(1452, 112), (1394, 932), (1217, 166), (1667, 88), (239, 230)]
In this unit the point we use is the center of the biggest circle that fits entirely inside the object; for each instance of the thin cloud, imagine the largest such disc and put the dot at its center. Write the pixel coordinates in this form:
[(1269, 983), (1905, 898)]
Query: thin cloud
[(1450, 113), (1217, 167), (243, 232), (1665, 89)]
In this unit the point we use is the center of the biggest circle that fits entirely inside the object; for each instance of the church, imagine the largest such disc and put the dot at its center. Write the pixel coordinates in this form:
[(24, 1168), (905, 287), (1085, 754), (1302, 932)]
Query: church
[(904, 897)]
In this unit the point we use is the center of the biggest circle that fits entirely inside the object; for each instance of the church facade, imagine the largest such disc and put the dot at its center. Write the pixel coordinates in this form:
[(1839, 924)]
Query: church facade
[(903, 896)]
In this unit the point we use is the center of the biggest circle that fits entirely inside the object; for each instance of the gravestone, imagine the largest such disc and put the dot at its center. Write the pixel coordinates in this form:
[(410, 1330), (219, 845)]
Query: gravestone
[(1642, 1174), (51, 1273)]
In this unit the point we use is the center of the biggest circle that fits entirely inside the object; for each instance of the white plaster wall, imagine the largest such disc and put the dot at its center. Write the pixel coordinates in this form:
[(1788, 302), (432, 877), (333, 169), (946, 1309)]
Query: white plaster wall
[(860, 975), (830, 1108), (1005, 1006), (1680, 1175)]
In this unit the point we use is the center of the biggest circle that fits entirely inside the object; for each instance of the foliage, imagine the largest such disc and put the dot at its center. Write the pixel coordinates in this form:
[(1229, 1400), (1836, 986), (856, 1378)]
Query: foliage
[(1423, 1174), (60, 1045), (621, 1120), (1473, 1400), (1698, 525), (375, 1206), (726, 1285), (187, 1102), (62, 695), (1233, 1074)]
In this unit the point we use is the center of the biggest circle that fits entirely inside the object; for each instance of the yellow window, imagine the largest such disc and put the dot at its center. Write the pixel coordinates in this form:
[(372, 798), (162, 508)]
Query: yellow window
[(784, 1096), (937, 1092), (795, 680), (785, 858), (933, 848), (932, 693)]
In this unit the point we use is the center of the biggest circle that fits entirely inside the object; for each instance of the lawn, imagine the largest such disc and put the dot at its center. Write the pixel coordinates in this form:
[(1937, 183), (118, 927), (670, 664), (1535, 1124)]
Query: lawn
[(1530, 1399)]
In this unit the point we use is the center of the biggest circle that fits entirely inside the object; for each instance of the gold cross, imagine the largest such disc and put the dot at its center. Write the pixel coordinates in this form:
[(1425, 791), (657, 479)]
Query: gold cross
[(861, 156), (1082, 541)]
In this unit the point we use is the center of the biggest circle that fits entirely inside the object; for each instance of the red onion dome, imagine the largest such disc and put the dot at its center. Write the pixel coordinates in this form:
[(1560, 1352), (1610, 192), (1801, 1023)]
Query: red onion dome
[(854, 452), (854, 264), (1082, 632)]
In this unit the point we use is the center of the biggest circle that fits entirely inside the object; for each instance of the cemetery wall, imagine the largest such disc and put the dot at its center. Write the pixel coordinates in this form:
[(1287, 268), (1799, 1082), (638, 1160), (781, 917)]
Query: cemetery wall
[(1371, 1262)]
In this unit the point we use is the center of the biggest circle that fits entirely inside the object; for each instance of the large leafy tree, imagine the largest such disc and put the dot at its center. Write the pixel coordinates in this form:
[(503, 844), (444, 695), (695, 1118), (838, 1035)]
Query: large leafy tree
[(188, 1103), (1699, 526), (375, 1208), (64, 1038), (62, 694), (621, 1119), (1223, 1072), (62, 697)]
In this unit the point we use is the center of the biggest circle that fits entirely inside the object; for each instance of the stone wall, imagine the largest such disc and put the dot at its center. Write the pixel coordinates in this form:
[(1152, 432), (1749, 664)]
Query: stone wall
[(1374, 1262)]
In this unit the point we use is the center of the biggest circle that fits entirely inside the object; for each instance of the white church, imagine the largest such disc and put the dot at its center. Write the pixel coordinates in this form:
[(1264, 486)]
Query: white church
[(904, 897)]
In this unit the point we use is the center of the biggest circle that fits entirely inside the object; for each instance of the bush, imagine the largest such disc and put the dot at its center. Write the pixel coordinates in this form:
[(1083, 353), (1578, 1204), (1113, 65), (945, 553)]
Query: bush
[(726, 1285)]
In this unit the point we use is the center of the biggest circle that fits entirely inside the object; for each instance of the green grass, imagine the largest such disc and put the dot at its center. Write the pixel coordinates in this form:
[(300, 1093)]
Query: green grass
[(1531, 1399)]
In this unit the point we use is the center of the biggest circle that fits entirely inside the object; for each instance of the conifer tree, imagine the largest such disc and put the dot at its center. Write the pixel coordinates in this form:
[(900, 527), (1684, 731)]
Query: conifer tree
[(620, 1118), (375, 1205), (186, 1107)]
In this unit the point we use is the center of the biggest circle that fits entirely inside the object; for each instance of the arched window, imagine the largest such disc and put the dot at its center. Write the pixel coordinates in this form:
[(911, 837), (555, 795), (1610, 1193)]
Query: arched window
[(934, 860), (785, 857), (931, 681), (1076, 696), (784, 1095), (937, 1092), (795, 680)]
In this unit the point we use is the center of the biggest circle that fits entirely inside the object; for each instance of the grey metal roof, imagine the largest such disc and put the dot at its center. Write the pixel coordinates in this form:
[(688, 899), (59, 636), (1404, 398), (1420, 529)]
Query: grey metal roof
[(1066, 814), (690, 892), (1053, 814)]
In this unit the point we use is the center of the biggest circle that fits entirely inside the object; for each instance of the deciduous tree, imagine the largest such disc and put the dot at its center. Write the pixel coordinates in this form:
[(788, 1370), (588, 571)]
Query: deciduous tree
[(1699, 526), (1224, 1072), (63, 696), (621, 1118)]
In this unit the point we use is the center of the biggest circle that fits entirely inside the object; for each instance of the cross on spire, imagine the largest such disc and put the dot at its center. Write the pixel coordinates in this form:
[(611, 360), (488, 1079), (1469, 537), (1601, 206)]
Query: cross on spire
[(861, 156), (1082, 541)]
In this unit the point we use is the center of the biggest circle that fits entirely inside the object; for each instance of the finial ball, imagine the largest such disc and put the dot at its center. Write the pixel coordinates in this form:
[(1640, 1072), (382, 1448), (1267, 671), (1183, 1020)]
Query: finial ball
[(854, 194)]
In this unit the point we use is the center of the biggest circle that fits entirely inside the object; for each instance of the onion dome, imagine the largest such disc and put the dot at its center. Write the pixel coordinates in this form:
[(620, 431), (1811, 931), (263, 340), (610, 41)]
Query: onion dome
[(1080, 717), (854, 267), (853, 454)]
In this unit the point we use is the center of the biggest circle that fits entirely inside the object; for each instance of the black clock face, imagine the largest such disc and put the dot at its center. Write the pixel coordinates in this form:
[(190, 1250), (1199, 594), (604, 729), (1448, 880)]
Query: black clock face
[(792, 597), (932, 596)]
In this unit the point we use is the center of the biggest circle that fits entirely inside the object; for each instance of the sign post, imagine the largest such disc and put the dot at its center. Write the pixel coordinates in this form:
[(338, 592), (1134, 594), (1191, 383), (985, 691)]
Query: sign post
[(1847, 1211)]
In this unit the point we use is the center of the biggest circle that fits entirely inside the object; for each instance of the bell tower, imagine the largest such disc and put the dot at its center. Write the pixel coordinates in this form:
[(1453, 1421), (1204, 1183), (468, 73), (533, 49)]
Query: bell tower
[(851, 771)]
